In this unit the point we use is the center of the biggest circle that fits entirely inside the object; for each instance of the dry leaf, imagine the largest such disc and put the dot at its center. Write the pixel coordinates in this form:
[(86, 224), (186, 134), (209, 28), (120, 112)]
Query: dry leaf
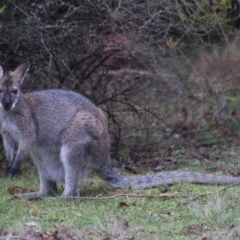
[(17, 189), (170, 43)]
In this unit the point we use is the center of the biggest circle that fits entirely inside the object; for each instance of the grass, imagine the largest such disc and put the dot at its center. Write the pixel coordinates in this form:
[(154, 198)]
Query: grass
[(196, 212)]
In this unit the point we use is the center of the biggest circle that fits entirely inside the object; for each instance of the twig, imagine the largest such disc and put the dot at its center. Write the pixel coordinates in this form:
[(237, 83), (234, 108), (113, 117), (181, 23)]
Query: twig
[(228, 186), (172, 194), (169, 195), (216, 192)]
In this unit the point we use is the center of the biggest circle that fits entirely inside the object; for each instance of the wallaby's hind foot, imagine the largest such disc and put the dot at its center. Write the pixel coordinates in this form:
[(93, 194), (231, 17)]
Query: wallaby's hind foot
[(47, 188), (30, 195)]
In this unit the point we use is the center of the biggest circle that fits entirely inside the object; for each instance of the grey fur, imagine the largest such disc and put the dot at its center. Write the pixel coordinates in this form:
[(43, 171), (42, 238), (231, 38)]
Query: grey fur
[(67, 137)]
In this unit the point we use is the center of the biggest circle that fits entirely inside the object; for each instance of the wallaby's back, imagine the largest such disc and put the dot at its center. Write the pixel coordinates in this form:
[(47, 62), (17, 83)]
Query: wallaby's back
[(54, 110)]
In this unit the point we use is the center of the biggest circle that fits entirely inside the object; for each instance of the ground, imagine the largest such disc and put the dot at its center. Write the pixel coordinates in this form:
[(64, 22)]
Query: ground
[(181, 211)]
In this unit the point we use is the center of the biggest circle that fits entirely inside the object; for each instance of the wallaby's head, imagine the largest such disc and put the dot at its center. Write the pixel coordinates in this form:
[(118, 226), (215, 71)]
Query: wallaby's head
[(10, 86)]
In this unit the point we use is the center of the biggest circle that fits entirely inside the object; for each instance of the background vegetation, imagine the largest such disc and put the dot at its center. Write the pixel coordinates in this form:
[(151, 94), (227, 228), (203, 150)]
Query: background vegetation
[(165, 72), (158, 68)]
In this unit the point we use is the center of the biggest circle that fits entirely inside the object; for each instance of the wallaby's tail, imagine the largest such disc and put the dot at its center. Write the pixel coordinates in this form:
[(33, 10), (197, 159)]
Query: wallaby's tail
[(114, 179)]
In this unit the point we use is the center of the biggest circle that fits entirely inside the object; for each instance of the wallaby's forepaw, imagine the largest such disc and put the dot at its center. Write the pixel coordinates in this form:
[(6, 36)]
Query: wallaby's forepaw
[(8, 171), (13, 171)]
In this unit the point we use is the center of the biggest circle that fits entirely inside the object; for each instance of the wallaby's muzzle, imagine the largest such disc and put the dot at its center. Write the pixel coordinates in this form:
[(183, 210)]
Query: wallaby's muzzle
[(7, 102)]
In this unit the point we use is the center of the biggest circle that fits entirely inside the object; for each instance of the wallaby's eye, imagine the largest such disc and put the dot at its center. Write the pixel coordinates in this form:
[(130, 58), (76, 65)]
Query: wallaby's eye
[(1, 90), (15, 91)]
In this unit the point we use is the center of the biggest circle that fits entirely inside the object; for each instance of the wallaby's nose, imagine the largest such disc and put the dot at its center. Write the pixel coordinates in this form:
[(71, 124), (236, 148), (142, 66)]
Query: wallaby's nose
[(7, 104)]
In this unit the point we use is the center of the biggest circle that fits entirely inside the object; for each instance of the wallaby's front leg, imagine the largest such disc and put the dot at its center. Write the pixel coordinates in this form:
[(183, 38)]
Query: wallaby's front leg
[(21, 153), (26, 140), (8, 143)]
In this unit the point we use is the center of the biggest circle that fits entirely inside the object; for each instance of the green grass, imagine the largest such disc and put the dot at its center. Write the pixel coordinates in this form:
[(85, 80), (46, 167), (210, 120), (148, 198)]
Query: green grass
[(197, 211)]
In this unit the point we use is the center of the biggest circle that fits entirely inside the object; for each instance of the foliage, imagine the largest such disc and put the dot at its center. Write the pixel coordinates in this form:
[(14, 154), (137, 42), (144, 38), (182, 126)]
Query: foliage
[(129, 57)]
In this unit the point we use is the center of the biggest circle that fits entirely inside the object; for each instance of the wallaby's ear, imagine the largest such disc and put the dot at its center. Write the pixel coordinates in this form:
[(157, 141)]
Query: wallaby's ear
[(20, 72), (1, 72)]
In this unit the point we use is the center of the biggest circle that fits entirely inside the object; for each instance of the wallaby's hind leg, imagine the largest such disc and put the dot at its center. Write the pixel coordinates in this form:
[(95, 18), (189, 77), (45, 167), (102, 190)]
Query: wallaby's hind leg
[(74, 167), (46, 186)]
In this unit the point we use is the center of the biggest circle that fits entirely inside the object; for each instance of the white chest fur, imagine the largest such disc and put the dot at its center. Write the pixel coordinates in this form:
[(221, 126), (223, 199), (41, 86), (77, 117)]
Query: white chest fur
[(11, 128)]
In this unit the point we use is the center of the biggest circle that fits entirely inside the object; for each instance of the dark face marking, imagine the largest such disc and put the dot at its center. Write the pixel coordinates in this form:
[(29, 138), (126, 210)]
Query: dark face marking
[(8, 92), (7, 101)]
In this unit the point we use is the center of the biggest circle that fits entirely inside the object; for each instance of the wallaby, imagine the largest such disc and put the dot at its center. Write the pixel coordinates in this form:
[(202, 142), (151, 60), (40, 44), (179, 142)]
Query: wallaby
[(67, 137)]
